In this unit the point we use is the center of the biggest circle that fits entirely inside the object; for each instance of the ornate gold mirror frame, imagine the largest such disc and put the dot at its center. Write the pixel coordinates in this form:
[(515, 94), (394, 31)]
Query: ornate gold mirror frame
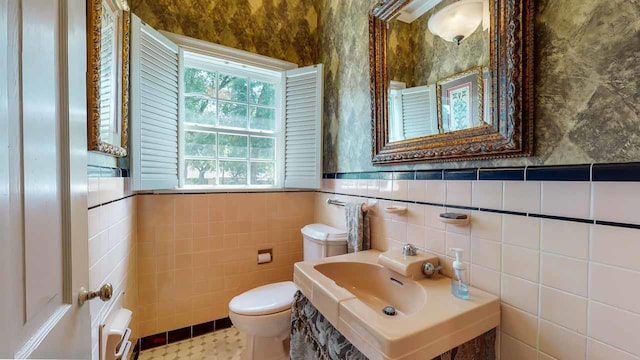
[(511, 65), (94, 62)]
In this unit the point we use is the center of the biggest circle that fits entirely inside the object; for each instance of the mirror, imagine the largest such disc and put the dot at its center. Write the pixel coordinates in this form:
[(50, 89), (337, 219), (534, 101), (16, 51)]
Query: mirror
[(108, 76), (451, 79)]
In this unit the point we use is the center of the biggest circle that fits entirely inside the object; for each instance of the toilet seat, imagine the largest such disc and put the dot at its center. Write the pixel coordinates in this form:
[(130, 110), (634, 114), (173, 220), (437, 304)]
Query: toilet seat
[(264, 300)]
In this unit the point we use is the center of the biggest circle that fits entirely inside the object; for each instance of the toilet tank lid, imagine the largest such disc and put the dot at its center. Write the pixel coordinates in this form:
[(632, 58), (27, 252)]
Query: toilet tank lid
[(322, 232), (264, 300)]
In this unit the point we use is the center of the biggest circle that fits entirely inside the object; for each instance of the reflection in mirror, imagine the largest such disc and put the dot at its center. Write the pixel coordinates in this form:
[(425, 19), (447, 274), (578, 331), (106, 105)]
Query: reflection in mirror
[(438, 68), (109, 131), (107, 75)]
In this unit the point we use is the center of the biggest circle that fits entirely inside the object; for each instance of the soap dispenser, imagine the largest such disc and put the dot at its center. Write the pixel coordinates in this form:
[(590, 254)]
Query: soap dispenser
[(459, 282)]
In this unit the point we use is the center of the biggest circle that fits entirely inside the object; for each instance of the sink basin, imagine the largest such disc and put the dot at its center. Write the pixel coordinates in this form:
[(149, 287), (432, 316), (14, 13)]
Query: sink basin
[(352, 290), (377, 286)]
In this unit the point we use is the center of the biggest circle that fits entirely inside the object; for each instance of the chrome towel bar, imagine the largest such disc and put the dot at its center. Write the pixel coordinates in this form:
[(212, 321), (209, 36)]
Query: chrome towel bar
[(341, 203)]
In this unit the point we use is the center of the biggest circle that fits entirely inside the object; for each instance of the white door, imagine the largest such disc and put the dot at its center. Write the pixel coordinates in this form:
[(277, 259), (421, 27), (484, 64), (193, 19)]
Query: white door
[(43, 206)]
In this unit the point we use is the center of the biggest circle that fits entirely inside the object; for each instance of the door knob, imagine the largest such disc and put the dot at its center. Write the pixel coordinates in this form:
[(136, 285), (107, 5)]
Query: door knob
[(104, 293)]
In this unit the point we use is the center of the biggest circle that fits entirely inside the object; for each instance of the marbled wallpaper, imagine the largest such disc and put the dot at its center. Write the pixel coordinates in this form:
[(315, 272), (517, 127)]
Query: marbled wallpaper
[(282, 29), (401, 53), (417, 57), (587, 98), (587, 70)]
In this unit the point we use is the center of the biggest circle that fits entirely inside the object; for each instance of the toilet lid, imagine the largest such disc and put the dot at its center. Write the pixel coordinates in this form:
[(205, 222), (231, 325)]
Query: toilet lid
[(264, 300)]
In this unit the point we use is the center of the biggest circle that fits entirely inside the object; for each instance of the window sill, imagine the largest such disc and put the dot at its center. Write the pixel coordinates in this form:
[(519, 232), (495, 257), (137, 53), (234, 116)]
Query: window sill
[(223, 190)]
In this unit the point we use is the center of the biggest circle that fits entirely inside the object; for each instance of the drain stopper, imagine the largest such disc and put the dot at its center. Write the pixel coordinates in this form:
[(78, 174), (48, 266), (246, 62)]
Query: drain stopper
[(389, 310)]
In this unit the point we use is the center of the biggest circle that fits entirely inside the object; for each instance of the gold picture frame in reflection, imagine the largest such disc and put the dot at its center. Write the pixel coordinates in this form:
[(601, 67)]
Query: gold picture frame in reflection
[(460, 101)]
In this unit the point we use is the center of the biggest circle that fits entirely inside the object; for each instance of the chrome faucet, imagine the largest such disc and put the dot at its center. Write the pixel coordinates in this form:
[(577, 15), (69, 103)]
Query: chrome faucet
[(409, 250), (428, 269)]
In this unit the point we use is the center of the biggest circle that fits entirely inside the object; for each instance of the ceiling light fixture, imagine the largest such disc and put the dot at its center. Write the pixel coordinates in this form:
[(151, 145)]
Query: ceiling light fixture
[(457, 21)]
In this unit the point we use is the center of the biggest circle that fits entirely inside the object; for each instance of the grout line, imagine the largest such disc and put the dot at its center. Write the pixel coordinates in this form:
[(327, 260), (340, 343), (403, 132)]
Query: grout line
[(538, 334), (589, 269), (565, 292), (545, 252)]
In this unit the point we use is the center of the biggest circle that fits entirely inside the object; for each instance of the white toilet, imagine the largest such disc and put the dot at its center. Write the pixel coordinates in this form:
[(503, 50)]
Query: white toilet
[(264, 313)]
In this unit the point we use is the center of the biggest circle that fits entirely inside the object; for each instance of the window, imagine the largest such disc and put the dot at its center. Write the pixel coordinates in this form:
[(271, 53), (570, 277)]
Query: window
[(204, 115), (232, 124)]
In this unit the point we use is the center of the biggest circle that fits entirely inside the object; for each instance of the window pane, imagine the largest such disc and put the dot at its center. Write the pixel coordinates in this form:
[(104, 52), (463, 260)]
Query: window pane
[(233, 172), (262, 148), (232, 88), (263, 118), (232, 146), (233, 115), (200, 172), (262, 173), (198, 81), (200, 110), (262, 93), (197, 143)]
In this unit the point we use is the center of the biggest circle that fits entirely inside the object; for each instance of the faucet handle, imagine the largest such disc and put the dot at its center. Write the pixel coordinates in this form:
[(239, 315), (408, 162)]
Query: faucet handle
[(409, 250), (428, 269)]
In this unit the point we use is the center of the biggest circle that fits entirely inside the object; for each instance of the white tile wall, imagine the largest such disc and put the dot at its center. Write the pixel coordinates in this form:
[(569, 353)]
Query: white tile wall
[(564, 309), (519, 324), (417, 190), (511, 348), (566, 286), (565, 238), (487, 194), (615, 246), (616, 327), (566, 198), (522, 231), (616, 202), (564, 273), (102, 190), (522, 196), (112, 250), (459, 192), (561, 343)]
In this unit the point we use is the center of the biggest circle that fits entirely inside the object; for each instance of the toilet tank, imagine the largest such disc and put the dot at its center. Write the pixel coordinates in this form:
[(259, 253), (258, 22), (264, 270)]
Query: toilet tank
[(322, 240)]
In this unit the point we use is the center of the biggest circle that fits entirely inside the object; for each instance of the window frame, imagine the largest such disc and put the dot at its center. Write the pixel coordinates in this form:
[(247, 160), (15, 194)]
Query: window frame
[(217, 64)]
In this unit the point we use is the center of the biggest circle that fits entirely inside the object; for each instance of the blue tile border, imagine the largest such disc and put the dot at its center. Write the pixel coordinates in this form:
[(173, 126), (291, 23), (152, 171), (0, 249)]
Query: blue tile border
[(369, 176), (559, 173), (616, 172), (514, 174), (348, 176), (588, 172), (429, 175), (466, 174), (404, 175)]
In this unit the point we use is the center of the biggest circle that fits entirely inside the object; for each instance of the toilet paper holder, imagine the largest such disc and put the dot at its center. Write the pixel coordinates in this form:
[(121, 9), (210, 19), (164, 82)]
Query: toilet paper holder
[(265, 256)]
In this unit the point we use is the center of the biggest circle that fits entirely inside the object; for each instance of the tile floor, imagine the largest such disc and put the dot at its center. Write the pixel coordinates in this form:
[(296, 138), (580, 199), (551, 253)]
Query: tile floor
[(224, 344)]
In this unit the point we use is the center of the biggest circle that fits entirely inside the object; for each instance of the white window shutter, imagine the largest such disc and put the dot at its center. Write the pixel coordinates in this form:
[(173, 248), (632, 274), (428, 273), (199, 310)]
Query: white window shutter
[(154, 109), (417, 112), (107, 77), (303, 127)]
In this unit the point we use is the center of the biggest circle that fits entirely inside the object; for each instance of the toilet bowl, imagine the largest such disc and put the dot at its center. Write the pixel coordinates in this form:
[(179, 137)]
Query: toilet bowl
[(264, 313)]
